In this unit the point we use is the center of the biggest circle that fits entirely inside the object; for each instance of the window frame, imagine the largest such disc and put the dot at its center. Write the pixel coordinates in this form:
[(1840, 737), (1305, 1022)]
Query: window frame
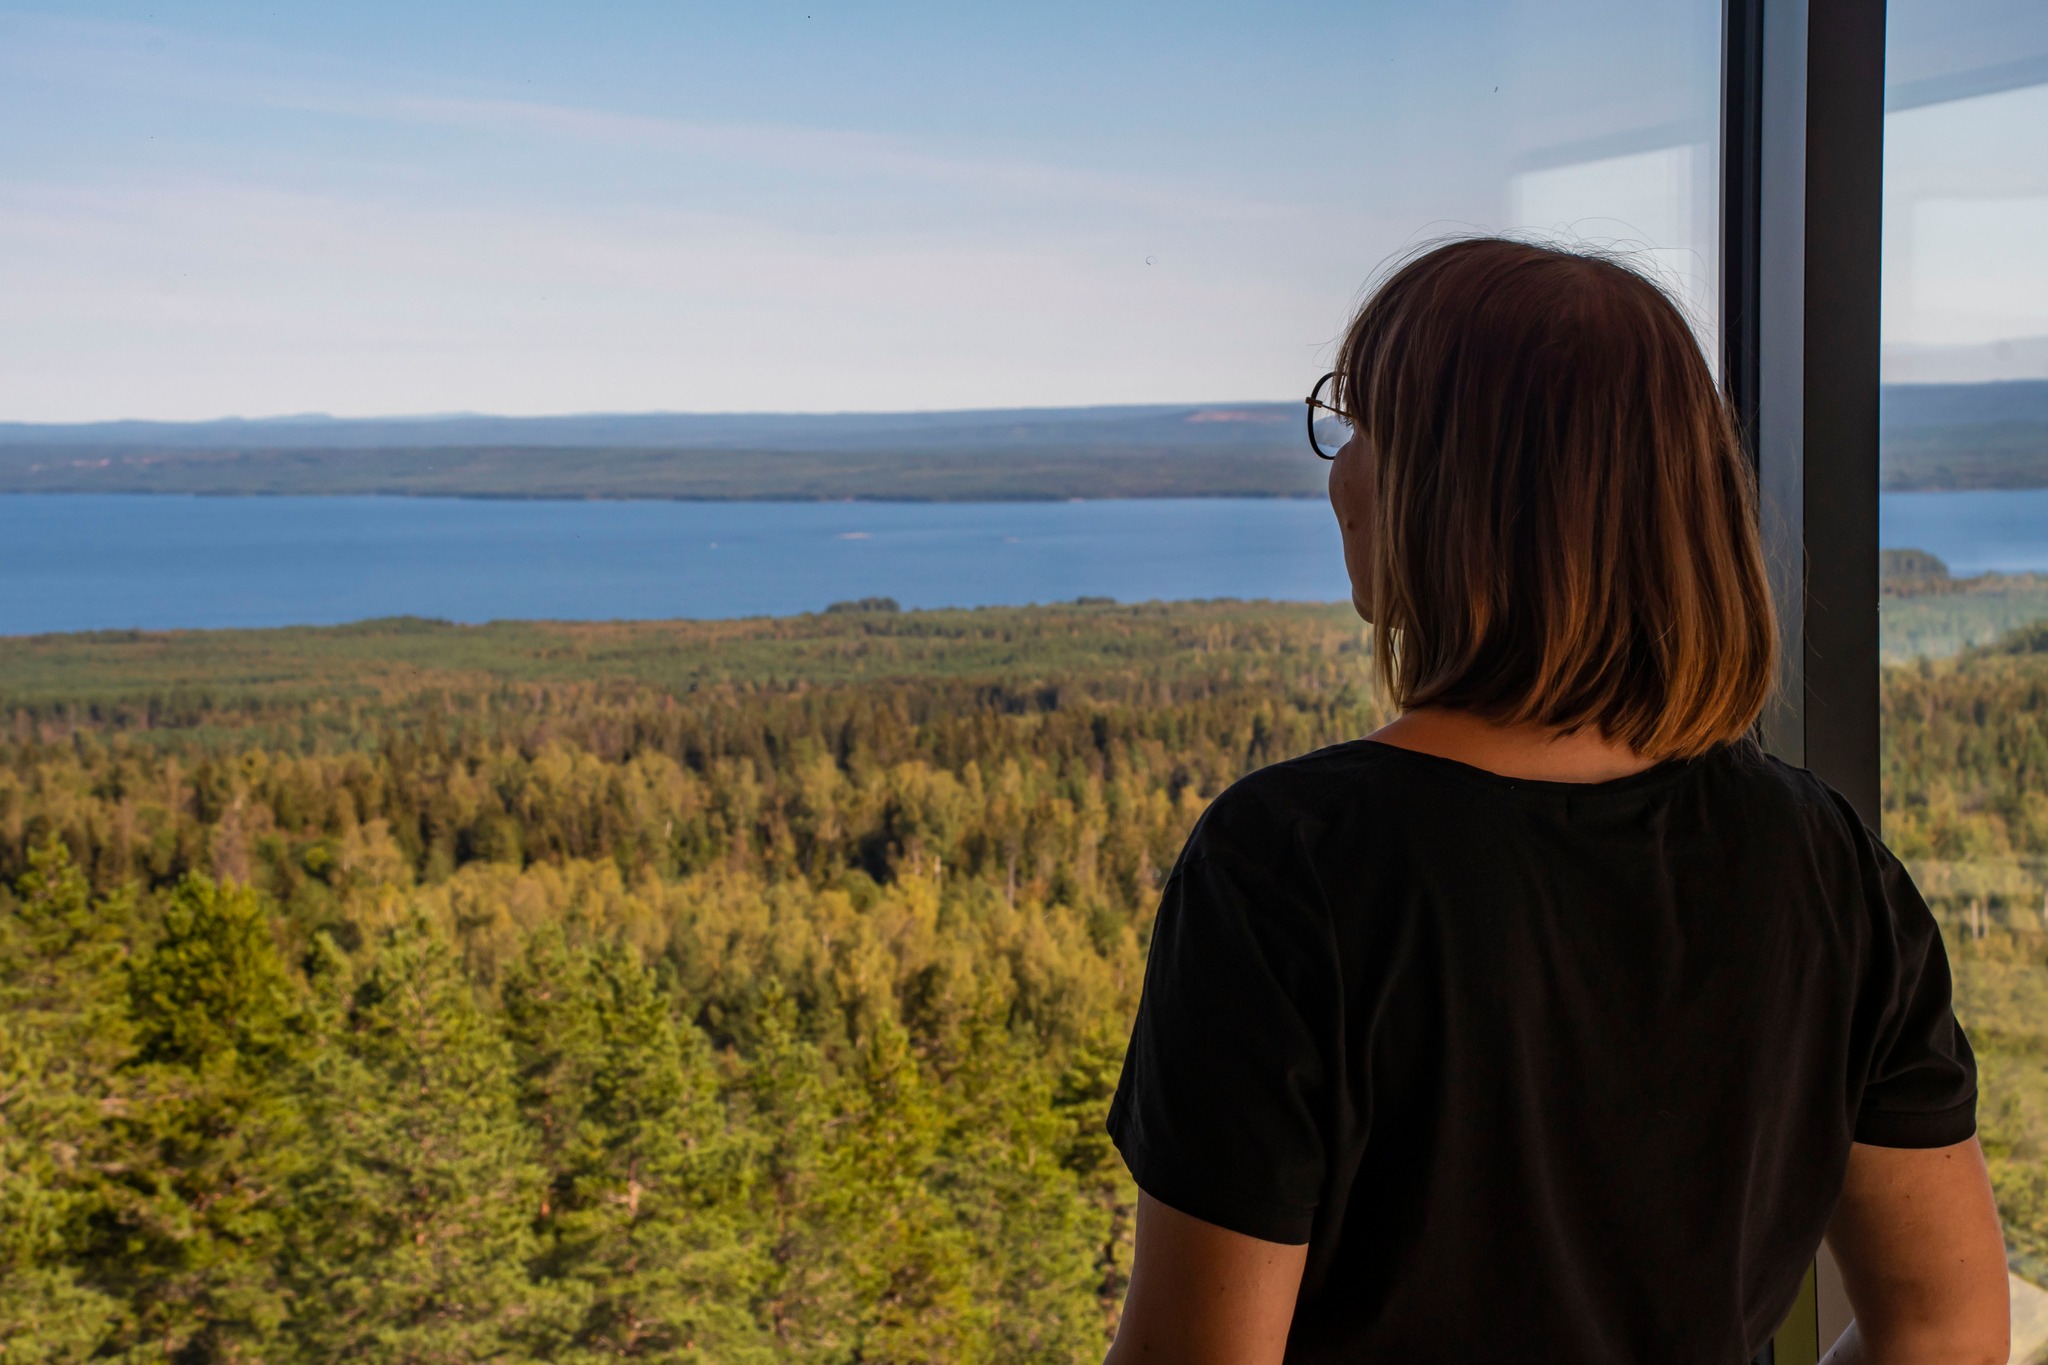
[(1802, 186)]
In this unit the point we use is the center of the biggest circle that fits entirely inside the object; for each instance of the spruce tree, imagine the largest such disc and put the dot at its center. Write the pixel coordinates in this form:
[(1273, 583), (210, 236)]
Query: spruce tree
[(63, 1037), (412, 1232), (909, 1258), (1006, 1171), (1081, 1101), (789, 1106), (211, 1129), (645, 1225)]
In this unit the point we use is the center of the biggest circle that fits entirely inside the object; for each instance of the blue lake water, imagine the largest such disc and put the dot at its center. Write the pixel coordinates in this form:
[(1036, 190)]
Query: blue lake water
[(1995, 531), (89, 562)]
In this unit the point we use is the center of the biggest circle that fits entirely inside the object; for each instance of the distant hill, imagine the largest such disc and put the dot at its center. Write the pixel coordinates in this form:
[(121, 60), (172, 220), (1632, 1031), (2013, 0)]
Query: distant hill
[(1233, 450), (981, 429), (1935, 436)]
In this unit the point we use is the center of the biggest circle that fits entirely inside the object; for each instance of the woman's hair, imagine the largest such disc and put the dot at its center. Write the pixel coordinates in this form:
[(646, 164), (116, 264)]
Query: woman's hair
[(1566, 530)]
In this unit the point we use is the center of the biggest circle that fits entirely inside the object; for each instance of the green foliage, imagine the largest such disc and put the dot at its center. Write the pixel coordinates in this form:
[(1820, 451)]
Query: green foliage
[(740, 991), (2031, 639), (769, 1018), (1930, 615), (1966, 805), (210, 1127), (412, 1230), (211, 992), (645, 1223), (63, 1035)]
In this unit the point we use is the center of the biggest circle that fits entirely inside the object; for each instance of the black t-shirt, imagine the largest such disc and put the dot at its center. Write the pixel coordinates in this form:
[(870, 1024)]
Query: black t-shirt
[(1538, 1070)]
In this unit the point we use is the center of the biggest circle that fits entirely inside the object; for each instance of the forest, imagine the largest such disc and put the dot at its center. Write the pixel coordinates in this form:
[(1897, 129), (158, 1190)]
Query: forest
[(715, 991)]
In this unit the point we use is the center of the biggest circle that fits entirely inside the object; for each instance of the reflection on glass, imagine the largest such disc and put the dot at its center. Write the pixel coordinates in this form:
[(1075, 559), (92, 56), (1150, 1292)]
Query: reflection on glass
[(742, 210), (1966, 446), (735, 990), (1594, 124)]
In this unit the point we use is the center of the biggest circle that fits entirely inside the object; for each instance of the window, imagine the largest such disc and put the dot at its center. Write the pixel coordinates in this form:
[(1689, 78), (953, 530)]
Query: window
[(453, 892), (1964, 553)]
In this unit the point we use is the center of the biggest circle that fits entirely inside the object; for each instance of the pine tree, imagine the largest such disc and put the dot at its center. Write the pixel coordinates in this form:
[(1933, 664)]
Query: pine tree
[(1086, 1086), (412, 1233), (63, 1037), (1013, 1173), (210, 1127), (909, 1258), (789, 1105), (645, 1222)]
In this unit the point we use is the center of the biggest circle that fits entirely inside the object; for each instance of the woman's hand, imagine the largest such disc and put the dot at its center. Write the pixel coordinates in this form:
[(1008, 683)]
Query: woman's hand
[(1203, 1295), (1917, 1237)]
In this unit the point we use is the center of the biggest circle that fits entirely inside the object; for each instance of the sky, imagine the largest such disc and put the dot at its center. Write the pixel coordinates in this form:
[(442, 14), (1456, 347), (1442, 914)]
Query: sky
[(1966, 237), (212, 209)]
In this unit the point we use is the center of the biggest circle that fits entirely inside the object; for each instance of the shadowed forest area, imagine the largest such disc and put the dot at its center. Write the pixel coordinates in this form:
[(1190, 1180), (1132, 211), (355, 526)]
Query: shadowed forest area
[(718, 991)]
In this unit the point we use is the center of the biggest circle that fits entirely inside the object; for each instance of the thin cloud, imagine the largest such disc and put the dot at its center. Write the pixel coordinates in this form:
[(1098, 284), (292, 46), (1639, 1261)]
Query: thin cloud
[(630, 261), (137, 59), (174, 297)]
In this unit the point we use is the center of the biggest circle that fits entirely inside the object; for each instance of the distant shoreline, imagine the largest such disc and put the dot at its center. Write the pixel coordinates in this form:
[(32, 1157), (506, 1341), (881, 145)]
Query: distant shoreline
[(707, 499), (793, 499), (539, 475), (1933, 437), (1917, 625)]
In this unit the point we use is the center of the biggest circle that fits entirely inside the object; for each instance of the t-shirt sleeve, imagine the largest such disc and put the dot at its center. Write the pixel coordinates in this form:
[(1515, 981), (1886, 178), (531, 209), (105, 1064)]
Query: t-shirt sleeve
[(1921, 1089), (1220, 1110)]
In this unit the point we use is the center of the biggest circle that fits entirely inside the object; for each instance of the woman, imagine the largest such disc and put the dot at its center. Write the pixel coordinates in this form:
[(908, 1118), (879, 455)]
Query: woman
[(1554, 1020)]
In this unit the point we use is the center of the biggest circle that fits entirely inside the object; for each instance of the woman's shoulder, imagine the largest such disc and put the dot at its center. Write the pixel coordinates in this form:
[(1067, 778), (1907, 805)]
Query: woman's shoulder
[(1772, 789), (1337, 774), (1295, 798)]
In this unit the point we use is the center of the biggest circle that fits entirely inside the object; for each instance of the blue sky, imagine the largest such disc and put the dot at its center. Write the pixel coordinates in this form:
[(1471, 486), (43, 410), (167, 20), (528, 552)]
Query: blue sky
[(211, 209)]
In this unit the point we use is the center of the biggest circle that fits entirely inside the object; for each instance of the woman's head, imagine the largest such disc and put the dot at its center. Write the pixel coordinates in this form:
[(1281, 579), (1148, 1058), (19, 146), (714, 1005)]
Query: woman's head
[(1547, 514)]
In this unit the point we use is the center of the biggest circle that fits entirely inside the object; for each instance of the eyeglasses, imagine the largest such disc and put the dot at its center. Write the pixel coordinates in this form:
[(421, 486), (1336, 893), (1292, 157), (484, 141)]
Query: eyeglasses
[(1328, 429)]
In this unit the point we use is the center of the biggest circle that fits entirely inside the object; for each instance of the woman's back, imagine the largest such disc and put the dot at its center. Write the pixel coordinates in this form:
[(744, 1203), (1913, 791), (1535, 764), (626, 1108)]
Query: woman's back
[(1438, 1061), (1538, 1070)]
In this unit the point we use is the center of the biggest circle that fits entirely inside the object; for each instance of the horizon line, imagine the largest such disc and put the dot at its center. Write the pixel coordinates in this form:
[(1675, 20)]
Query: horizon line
[(280, 419), (461, 416)]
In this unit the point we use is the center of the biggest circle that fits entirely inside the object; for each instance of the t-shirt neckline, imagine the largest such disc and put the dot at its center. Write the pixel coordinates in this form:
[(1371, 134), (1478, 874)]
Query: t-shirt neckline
[(1654, 776)]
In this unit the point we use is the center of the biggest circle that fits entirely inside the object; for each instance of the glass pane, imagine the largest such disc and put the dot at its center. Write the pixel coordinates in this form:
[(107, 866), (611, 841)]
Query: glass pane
[(586, 984), (345, 212), (1965, 537)]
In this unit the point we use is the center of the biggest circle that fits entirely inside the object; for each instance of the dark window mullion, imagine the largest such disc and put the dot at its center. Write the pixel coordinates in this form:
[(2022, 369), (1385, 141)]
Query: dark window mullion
[(1844, 275), (1802, 217)]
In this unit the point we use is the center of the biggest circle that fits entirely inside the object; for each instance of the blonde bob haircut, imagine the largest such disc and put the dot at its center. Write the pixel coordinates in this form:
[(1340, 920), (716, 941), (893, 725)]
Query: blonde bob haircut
[(1566, 528)]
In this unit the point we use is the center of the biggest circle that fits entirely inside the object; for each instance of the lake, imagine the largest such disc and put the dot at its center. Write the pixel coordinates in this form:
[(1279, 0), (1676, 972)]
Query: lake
[(100, 561)]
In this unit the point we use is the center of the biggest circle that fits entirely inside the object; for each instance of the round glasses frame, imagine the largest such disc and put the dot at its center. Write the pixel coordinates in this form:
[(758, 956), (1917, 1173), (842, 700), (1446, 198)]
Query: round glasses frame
[(1319, 411)]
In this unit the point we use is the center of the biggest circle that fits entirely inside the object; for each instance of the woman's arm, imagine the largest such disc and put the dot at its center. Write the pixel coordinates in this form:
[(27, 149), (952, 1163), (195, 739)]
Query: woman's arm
[(1916, 1235), (1203, 1295)]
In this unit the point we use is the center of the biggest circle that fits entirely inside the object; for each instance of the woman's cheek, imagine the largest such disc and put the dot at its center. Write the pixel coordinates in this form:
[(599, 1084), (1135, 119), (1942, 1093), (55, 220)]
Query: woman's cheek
[(1351, 499)]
